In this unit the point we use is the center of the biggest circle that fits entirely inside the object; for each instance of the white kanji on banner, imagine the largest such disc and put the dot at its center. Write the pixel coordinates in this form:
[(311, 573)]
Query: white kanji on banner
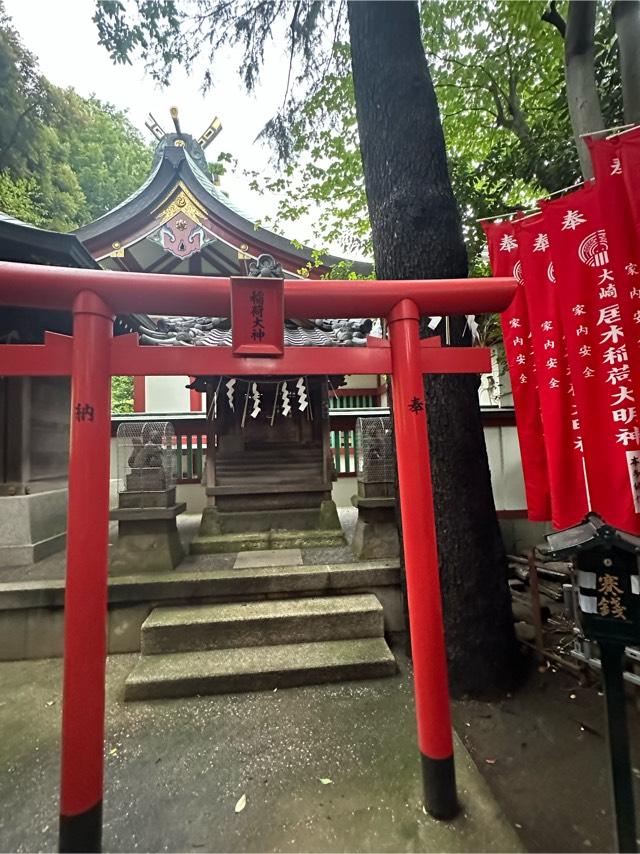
[(541, 243), (508, 243), (572, 219)]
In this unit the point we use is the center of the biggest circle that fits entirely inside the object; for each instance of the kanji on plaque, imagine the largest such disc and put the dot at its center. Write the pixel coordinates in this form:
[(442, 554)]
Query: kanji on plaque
[(257, 316), (597, 353), (561, 427), (503, 254)]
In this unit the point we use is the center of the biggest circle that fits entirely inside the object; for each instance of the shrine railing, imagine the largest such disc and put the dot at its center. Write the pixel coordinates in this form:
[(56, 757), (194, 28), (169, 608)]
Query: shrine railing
[(191, 440)]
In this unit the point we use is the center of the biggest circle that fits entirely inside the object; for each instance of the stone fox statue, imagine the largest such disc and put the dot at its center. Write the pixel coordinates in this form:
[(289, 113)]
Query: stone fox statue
[(149, 453)]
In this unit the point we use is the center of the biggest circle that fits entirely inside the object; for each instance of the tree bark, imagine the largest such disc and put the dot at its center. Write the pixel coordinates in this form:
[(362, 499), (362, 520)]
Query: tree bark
[(582, 92), (417, 234), (626, 17)]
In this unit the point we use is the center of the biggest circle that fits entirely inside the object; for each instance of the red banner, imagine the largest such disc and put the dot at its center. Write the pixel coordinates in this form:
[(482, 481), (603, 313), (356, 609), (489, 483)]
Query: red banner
[(597, 354), (503, 254), (628, 147), (560, 423), (623, 268)]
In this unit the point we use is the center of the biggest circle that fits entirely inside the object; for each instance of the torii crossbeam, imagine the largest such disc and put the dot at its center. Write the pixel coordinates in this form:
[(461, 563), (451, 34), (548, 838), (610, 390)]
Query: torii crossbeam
[(92, 356)]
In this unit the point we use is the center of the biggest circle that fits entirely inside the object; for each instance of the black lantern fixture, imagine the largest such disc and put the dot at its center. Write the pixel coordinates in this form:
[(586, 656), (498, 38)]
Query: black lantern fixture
[(606, 562)]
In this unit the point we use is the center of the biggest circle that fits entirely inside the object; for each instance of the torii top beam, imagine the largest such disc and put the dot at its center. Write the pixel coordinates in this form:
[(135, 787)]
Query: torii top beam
[(153, 293)]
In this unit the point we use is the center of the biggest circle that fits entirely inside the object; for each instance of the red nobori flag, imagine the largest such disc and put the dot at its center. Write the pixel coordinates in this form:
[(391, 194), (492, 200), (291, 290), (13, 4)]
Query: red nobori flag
[(623, 267), (503, 254), (597, 352), (560, 423), (628, 148)]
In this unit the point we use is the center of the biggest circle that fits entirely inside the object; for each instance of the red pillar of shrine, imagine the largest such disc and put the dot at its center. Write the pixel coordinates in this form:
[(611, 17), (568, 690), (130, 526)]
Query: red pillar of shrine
[(421, 564), (85, 612)]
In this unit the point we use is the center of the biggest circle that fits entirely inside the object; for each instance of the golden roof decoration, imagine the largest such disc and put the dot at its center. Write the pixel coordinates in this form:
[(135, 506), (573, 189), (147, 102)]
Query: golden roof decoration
[(184, 202)]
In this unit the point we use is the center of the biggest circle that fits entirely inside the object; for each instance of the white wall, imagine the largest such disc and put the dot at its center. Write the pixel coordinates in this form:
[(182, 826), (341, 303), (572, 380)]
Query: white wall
[(506, 467), (167, 394), (504, 461), (361, 381)]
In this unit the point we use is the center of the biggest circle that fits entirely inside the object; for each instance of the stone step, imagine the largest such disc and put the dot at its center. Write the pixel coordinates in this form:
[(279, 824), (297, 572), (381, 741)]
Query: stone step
[(197, 581), (282, 621), (256, 668)]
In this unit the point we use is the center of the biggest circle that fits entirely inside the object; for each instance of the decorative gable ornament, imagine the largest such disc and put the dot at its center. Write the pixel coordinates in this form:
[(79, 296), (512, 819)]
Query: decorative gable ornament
[(182, 233)]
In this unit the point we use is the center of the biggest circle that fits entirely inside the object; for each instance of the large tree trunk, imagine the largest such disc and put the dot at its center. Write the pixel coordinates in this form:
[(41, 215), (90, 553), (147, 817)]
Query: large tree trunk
[(626, 17), (417, 234), (582, 91)]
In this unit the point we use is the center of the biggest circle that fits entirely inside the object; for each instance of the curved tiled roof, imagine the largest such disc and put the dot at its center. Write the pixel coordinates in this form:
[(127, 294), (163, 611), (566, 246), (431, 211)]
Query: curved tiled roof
[(216, 332), (176, 162)]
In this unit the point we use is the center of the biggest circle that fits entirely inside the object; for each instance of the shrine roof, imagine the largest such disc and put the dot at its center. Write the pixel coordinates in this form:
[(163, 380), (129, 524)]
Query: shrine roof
[(22, 241), (131, 234), (26, 243), (216, 332)]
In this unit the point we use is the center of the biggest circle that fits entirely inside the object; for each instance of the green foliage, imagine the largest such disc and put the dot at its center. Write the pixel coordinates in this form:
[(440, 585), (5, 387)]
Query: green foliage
[(498, 70), (105, 152), (18, 197), (122, 395), (218, 167), (64, 160)]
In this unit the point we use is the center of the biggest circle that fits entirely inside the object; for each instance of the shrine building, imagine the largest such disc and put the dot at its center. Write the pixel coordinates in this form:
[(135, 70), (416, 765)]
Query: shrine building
[(269, 469), (264, 466)]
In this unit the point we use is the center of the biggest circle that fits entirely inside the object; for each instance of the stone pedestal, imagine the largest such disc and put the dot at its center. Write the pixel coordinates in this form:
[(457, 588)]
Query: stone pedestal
[(32, 527), (148, 539), (276, 528), (376, 534)]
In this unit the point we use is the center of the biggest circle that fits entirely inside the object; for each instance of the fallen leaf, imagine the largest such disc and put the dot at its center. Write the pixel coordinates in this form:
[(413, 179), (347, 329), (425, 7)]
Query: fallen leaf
[(490, 761), (113, 751), (241, 804), (325, 780)]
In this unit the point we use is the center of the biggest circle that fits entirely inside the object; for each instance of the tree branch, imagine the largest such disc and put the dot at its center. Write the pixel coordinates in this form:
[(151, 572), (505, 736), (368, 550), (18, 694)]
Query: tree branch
[(292, 27), (553, 17)]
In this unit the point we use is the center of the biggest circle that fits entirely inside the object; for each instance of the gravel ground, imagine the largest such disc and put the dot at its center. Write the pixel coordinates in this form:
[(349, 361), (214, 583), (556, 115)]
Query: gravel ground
[(323, 768)]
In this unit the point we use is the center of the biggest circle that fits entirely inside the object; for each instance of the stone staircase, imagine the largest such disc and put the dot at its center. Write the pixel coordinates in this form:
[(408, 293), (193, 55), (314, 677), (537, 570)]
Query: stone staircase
[(251, 646)]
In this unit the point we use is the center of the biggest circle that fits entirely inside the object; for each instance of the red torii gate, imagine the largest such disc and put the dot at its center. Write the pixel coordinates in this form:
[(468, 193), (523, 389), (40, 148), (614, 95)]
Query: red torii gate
[(92, 356)]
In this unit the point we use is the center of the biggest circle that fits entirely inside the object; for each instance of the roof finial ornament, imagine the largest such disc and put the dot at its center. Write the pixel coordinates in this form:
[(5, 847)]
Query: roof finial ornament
[(154, 127), (210, 133), (266, 267), (176, 120)]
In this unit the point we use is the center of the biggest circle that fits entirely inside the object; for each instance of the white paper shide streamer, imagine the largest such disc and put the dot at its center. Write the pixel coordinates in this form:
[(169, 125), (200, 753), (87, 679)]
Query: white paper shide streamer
[(286, 406), (231, 386), (472, 323), (255, 396), (303, 400)]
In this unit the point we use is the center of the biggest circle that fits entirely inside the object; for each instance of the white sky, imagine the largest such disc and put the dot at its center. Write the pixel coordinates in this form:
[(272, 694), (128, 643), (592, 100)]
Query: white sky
[(63, 37)]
